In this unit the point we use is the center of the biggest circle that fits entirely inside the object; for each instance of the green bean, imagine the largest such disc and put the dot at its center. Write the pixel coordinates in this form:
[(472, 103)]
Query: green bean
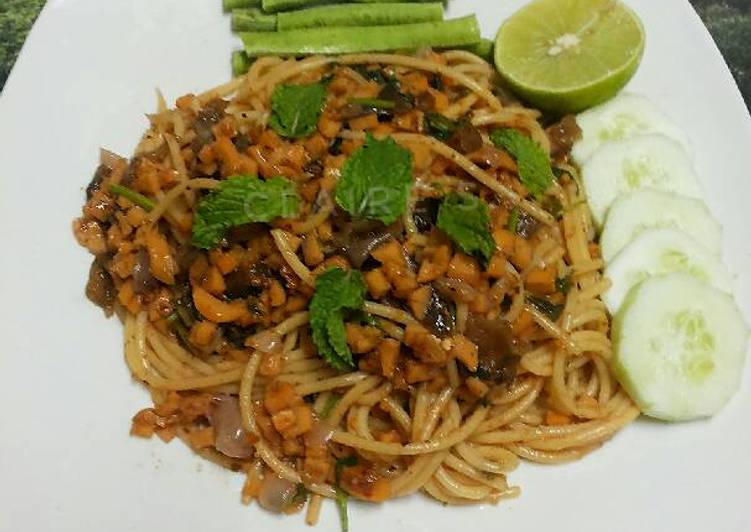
[(274, 6), (229, 5), (252, 20), (360, 15), (483, 49), (240, 63), (353, 39)]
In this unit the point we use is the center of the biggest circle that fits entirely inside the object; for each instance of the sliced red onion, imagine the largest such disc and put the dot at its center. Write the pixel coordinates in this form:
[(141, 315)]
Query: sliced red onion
[(230, 438), (276, 493), (319, 435), (266, 342), (455, 289), (108, 158)]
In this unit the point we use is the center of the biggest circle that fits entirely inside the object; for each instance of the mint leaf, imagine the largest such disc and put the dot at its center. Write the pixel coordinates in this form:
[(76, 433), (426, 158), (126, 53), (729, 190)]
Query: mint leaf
[(376, 181), (466, 220), (295, 109), (241, 200), (337, 335), (336, 291), (534, 165)]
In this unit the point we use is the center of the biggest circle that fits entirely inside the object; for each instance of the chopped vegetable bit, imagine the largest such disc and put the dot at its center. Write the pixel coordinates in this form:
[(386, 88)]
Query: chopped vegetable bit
[(336, 291), (534, 165), (553, 205), (331, 403), (341, 504), (513, 220), (301, 495), (551, 310), (295, 109), (241, 200), (132, 196), (374, 103), (376, 181), (377, 75), (563, 284), (466, 220), (341, 463), (439, 126), (342, 498)]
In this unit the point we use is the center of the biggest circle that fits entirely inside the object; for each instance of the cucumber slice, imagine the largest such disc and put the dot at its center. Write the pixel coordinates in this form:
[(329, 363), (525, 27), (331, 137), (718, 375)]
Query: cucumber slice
[(680, 347), (659, 252), (624, 117), (630, 215), (650, 161)]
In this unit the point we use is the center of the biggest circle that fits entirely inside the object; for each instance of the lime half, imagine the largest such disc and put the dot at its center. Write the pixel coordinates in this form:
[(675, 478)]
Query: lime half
[(567, 55)]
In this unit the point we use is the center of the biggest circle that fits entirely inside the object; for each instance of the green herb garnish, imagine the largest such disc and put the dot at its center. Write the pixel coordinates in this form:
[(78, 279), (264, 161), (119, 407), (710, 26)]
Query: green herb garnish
[(364, 318), (439, 126), (374, 103), (331, 403), (300, 496), (377, 75), (295, 109), (241, 200), (534, 165), (335, 148), (563, 284), (342, 497), (513, 220), (549, 309), (336, 291), (182, 332), (553, 205), (341, 463), (132, 196), (376, 181), (466, 220)]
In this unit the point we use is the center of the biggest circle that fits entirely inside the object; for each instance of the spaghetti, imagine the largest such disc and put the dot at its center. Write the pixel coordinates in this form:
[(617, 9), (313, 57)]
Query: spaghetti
[(221, 338)]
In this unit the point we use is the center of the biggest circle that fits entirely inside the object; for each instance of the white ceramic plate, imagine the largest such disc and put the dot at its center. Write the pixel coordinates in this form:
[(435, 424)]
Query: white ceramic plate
[(85, 79)]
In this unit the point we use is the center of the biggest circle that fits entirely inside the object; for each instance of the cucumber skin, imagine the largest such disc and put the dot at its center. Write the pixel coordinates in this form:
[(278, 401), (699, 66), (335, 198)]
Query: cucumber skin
[(357, 39), (612, 241), (616, 331), (374, 14)]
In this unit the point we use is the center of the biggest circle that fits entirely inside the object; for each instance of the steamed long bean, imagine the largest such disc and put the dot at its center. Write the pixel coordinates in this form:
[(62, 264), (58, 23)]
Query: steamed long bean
[(353, 39)]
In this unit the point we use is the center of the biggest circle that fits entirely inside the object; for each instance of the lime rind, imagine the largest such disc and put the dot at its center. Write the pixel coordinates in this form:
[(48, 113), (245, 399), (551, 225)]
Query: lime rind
[(527, 46)]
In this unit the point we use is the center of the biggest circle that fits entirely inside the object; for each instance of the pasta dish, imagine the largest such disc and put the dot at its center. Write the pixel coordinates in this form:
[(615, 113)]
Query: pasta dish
[(358, 276)]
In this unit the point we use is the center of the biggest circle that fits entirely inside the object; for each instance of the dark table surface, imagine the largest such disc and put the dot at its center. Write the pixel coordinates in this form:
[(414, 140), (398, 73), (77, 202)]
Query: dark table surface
[(729, 21)]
